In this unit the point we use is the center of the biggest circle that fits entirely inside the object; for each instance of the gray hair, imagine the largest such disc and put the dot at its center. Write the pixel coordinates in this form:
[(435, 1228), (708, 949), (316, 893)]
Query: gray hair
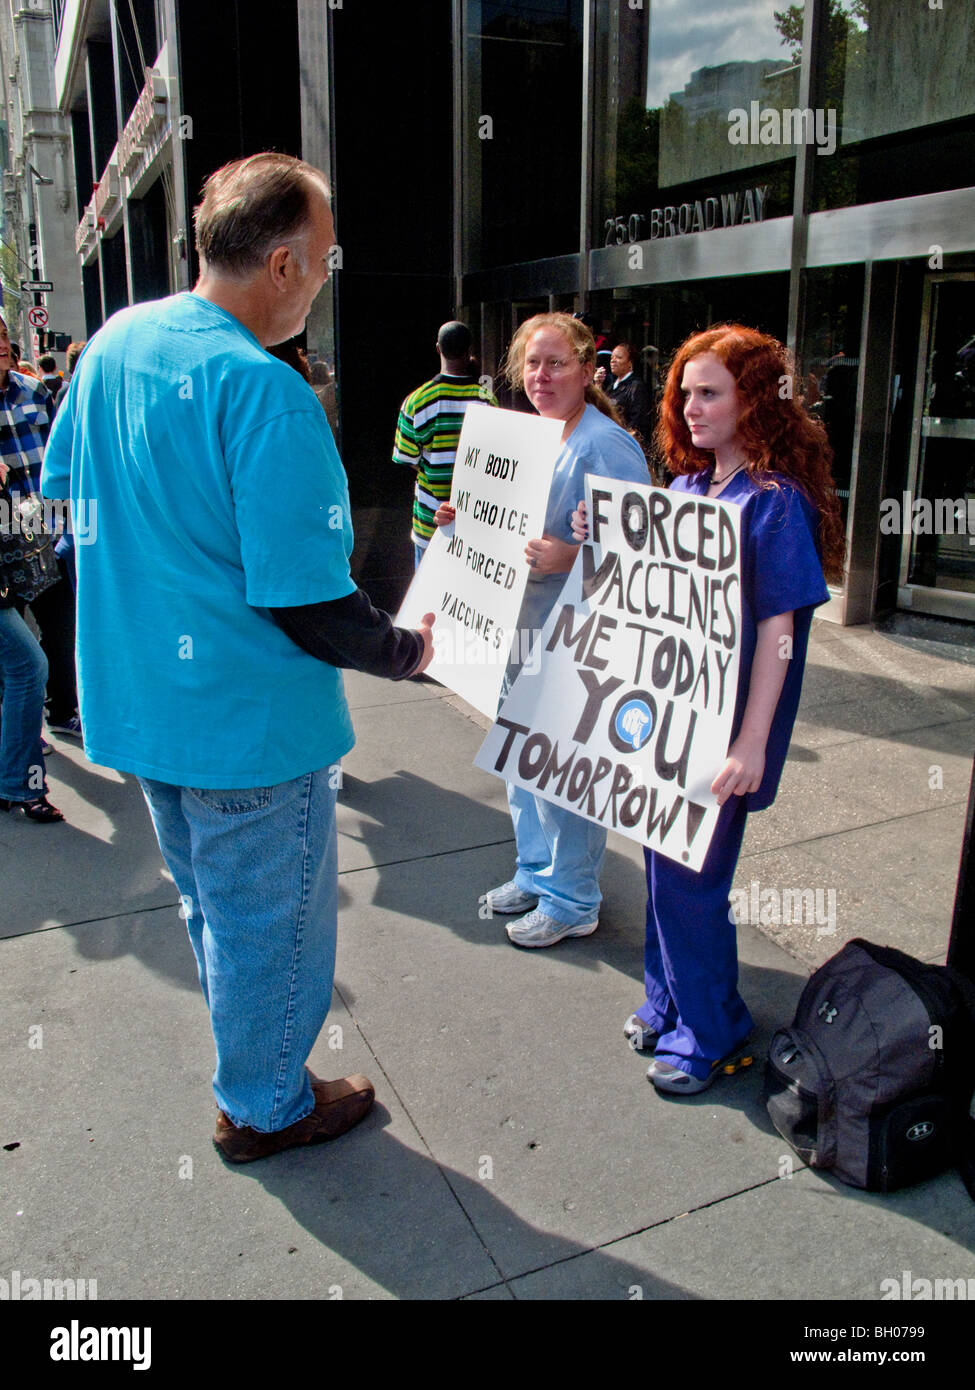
[(252, 206)]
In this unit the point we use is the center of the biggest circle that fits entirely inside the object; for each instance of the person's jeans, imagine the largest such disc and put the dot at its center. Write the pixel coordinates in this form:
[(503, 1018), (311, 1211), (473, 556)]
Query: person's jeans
[(418, 553), (23, 676), (256, 869)]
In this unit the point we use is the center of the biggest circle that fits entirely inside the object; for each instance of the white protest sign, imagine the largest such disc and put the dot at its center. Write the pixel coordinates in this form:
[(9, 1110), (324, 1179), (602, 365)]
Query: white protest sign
[(627, 717), (473, 572)]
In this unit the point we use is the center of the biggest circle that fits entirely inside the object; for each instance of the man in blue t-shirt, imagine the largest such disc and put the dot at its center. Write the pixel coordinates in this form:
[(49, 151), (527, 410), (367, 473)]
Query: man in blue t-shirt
[(214, 605)]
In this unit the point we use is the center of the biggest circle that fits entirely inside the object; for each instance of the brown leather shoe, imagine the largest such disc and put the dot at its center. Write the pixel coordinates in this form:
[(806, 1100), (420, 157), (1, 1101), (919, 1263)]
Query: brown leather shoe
[(339, 1106)]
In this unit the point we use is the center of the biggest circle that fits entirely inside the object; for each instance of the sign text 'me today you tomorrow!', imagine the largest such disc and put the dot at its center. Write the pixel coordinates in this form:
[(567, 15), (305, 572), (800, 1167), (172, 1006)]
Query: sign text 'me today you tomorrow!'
[(626, 718)]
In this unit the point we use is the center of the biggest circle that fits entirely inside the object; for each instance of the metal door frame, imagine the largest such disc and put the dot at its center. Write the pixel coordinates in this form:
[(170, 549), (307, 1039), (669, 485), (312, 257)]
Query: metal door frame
[(924, 598)]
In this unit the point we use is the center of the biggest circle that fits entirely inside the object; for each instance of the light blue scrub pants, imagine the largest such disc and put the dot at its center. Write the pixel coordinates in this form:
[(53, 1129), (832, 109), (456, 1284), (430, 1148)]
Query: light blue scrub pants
[(560, 854), (256, 869)]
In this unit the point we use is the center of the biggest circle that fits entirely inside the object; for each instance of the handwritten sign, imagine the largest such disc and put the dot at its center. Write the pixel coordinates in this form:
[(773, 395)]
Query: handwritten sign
[(473, 573), (626, 718)]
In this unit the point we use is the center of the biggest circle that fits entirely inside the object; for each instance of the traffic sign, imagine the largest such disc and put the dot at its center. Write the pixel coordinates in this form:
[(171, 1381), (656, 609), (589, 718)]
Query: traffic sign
[(38, 316), (37, 286)]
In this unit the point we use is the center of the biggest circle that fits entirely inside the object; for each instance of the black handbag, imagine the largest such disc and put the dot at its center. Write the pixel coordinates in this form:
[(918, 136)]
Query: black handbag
[(28, 564)]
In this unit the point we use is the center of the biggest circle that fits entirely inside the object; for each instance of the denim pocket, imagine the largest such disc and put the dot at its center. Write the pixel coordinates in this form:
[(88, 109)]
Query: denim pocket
[(233, 801)]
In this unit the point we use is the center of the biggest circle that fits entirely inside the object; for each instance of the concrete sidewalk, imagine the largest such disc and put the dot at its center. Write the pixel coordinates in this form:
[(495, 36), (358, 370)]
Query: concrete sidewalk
[(516, 1149)]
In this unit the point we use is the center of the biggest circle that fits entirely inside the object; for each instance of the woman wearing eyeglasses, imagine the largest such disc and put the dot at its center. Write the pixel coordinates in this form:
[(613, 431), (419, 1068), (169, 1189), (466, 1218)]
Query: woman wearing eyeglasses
[(552, 358)]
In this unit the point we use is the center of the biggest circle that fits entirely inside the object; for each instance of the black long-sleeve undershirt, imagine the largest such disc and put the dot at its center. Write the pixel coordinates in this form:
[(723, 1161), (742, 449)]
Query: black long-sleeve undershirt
[(349, 632)]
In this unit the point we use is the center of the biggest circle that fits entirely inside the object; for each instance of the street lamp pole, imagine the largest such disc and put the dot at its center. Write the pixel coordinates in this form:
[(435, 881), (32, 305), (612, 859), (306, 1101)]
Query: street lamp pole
[(34, 247)]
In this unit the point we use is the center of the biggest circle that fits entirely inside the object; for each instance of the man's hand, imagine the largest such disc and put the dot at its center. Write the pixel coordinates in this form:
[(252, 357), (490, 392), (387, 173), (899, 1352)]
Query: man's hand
[(444, 514), (426, 632), (551, 556), (4, 470)]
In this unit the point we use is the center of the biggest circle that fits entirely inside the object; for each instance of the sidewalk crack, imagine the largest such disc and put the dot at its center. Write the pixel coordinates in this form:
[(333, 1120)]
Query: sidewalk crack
[(434, 854), (501, 1280), (627, 1235)]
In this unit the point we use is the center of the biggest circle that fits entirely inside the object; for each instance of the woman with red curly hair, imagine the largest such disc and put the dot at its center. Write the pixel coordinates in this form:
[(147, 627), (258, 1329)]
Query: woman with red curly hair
[(730, 428)]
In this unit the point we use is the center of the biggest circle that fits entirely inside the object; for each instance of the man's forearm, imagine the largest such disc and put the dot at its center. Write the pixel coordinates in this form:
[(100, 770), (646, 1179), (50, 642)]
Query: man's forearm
[(351, 633)]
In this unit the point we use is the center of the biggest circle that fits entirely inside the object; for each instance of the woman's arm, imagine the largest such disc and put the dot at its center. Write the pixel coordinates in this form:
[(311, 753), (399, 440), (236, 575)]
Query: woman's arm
[(745, 765)]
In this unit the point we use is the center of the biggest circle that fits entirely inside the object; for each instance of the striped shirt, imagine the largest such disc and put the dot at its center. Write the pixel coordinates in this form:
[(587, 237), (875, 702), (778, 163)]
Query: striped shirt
[(427, 433)]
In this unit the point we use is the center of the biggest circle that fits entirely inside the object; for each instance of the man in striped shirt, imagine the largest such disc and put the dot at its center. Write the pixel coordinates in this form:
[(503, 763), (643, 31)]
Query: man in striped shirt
[(429, 427)]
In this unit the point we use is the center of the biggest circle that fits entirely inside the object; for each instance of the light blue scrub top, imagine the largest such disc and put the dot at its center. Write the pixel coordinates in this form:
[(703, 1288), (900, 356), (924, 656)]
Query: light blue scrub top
[(596, 445)]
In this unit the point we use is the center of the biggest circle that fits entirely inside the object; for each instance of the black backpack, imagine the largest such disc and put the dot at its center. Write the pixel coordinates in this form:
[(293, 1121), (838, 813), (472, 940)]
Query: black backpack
[(874, 1079)]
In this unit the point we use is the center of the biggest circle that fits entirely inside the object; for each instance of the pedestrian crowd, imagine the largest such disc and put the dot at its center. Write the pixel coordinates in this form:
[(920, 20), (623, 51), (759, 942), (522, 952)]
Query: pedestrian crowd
[(32, 671), (229, 708)]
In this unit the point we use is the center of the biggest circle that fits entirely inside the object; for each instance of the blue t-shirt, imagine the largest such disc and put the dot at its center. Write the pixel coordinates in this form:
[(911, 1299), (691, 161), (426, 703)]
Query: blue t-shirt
[(781, 572), (219, 495)]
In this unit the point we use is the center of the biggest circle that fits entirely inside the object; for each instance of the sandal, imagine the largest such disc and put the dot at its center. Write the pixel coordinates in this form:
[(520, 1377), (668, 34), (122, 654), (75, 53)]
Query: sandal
[(40, 809)]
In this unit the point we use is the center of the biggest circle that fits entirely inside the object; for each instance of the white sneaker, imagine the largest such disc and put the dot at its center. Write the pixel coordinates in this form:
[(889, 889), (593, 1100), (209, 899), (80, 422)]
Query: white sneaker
[(640, 1035), (538, 929), (509, 898)]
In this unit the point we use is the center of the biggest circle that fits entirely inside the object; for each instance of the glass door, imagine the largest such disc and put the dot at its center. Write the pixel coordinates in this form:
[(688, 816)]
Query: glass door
[(937, 513)]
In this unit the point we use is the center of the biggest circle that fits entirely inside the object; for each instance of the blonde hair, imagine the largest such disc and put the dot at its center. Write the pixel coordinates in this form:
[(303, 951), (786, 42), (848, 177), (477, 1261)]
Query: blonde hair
[(581, 343)]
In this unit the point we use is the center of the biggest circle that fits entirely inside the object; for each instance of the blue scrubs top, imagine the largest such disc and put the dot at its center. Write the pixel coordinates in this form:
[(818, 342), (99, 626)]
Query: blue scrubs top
[(781, 572)]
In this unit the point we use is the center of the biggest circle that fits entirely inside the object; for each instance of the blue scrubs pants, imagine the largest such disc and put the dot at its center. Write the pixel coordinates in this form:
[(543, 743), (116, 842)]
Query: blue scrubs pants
[(691, 954)]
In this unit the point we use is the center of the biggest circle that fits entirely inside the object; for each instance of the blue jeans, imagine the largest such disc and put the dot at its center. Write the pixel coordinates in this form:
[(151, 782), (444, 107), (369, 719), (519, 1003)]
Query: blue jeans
[(23, 677), (256, 869), (418, 552)]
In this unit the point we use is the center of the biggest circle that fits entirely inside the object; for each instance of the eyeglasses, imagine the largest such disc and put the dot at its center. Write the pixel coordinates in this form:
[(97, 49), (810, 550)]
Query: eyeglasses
[(553, 364)]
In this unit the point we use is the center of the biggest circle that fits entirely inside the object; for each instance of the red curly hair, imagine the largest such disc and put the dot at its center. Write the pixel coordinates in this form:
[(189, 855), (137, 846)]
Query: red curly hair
[(776, 433)]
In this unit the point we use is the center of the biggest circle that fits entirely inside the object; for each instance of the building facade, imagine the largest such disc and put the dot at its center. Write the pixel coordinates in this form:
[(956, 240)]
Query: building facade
[(658, 164), (39, 211), (808, 170)]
